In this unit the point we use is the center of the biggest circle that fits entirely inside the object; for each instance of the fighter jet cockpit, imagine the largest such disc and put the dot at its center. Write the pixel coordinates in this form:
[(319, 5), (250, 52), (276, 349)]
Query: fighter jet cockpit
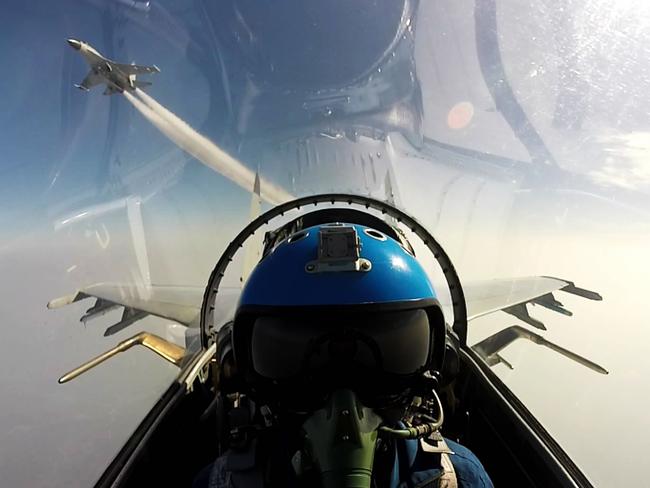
[(380, 243)]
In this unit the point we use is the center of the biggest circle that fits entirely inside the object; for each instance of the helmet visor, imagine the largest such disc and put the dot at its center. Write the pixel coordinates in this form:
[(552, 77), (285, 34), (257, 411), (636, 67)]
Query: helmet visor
[(344, 350)]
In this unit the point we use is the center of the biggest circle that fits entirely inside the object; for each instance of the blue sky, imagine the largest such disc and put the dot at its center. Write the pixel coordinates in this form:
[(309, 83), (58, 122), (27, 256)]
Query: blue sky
[(65, 149)]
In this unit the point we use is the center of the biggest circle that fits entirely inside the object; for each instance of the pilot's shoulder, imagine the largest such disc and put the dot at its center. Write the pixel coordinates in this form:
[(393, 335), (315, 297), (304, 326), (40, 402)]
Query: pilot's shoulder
[(470, 473)]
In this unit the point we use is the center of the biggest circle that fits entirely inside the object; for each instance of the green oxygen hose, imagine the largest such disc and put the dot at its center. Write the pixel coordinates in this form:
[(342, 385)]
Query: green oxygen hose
[(340, 439)]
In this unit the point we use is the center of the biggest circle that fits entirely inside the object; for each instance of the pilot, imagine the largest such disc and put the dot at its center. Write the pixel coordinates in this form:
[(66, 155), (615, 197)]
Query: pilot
[(330, 370)]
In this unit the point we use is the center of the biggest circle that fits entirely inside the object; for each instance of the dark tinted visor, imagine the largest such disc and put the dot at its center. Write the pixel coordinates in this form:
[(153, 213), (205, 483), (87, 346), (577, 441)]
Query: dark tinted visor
[(396, 343)]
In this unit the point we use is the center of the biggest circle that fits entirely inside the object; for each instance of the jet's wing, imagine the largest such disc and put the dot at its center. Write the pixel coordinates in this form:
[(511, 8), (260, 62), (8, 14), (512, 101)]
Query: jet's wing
[(514, 294), (134, 69), (90, 80), (513, 297), (180, 304)]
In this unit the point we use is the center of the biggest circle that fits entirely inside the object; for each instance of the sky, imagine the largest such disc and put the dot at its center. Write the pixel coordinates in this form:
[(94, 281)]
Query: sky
[(72, 161)]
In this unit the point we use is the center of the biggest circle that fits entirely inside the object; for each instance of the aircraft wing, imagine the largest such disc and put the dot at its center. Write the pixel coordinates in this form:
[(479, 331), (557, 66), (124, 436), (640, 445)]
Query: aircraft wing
[(514, 294), (178, 303), (134, 69), (91, 80), (513, 297)]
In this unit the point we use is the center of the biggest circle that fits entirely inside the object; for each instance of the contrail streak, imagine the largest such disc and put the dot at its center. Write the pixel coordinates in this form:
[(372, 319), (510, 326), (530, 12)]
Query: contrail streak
[(203, 149)]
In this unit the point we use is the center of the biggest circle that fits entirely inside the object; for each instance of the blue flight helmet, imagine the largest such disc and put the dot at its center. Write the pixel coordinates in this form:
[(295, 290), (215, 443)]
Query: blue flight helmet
[(338, 306)]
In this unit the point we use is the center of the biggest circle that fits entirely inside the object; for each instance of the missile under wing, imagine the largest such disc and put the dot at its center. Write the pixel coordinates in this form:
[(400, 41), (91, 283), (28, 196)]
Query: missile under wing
[(116, 76)]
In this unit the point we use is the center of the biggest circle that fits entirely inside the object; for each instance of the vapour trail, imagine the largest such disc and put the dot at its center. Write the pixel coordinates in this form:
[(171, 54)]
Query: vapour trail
[(203, 149)]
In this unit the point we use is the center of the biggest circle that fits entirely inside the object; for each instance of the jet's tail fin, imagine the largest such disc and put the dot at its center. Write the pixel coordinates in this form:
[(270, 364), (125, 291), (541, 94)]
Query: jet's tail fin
[(141, 84)]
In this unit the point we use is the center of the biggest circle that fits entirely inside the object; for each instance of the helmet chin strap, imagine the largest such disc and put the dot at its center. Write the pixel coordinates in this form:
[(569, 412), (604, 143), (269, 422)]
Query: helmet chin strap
[(340, 441)]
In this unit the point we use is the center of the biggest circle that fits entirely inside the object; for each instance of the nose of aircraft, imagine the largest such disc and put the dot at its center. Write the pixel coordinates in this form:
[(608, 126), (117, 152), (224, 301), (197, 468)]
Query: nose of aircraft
[(74, 43)]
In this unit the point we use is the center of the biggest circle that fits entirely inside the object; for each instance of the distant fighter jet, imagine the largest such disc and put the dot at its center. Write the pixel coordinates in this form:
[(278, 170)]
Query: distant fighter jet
[(117, 77)]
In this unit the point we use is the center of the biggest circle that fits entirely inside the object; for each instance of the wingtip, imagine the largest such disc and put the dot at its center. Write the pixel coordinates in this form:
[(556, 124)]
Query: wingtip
[(66, 300), (61, 301)]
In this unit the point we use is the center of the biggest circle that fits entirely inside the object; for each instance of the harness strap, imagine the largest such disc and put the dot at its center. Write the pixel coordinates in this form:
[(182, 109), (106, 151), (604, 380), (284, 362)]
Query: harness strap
[(448, 478)]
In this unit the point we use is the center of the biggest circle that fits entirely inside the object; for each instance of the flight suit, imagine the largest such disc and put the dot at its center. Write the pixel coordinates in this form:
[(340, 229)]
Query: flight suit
[(414, 465)]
